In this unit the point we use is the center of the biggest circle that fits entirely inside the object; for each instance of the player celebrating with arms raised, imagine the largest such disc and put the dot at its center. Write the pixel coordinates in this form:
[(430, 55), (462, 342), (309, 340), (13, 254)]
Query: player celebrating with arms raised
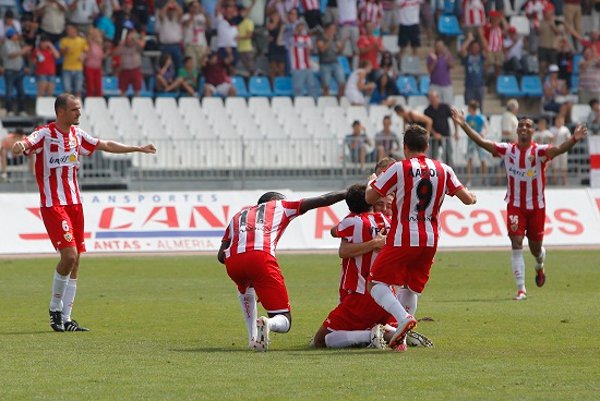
[(420, 185), (58, 147), (248, 252), (525, 164)]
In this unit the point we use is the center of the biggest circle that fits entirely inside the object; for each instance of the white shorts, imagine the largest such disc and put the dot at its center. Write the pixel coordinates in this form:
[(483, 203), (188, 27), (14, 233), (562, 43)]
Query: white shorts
[(355, 97), (221, 89)]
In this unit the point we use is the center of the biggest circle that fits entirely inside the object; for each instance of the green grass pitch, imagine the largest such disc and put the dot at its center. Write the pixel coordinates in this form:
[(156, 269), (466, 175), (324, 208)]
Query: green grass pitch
[(170, 328)]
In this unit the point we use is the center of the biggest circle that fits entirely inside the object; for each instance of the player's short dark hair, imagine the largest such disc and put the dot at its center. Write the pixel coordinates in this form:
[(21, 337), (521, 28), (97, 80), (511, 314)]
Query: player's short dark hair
[(416, 138), (383, 164), (61, 101), (399, 109), (473, 104), (387, 117), (269, 196), (593, 102), (355, 199), (355, 123)]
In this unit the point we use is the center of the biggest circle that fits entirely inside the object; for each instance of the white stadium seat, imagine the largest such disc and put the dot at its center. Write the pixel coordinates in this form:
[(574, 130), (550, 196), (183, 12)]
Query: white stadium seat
[(580, 113), (327, 101), (521, 24)]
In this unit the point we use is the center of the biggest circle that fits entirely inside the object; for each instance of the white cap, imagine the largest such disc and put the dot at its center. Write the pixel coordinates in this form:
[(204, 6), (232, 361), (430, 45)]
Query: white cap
[(553, 68)]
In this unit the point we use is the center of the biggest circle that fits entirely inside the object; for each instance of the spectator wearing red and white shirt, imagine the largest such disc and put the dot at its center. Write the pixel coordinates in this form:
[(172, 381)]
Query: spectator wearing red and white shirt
[(58, 147), (370, 11), (312, 13), (493, 40), (302, 75), (525, 164), (420, 185), (248, 252), (473, 14)]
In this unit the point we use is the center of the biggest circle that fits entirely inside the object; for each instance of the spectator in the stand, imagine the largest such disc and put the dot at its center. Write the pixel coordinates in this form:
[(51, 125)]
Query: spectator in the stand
[(593, 119), (108, 7), (142, 10), (82, 14), (8, 21), (13, 60), (498, 6), (189, 76), (534, 10), (125, 18), (195, 24), (542, 134), (473, 15), (357, 86), (589, 76), (53, 17), (348, 23), (474, 63), (564, 59), (548, 32), (439, 64), (389, 22), (442, 147), (277, 52), (370, 46), (387, 66), (227, 31), (385, 89), (513, 52), (29, 30), (73, 48), (93, 63), (130, 73), (387, 142), (328, 49), (360, 146), (312, 13), (166, 76), (370, 11), (302, 75), (217, 78), (554, 91), (245, 33), (572, 10), (493, 40), (170, 31), (510, 122), (44, 58), (413, 117), (407, 12), (560, 134), (281, 7), (477, 121), (289, 28)]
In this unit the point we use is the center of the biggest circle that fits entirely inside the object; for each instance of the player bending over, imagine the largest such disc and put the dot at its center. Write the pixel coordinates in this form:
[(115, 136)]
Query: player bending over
[(248, 252)]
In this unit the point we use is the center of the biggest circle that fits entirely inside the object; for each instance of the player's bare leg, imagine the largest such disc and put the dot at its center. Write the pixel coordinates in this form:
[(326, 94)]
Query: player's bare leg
[(518, 266), (68, 260), (539, 253)]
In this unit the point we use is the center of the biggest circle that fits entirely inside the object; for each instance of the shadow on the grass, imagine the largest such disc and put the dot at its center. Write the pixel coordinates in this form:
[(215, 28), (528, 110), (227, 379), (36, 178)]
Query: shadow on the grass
[(24, 333), (482, 300), (300, 350)]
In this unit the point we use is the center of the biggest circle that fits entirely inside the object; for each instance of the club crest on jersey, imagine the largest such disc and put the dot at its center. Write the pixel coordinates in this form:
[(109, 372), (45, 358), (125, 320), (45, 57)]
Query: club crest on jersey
[(73, 158), (68, 237), (513, 227)]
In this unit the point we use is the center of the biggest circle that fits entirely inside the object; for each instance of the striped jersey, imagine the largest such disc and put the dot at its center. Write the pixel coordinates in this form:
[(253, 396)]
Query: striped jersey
[(299, 52), (473, 12), (356, 229), (308, 5), (259, 227), (370, 11), (419, 185), (525, 172), (57, 162), (494, 37)]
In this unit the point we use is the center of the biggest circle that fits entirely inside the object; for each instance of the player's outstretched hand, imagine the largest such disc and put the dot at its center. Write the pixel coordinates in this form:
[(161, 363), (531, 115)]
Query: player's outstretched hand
[(150, 148), (457, 116), (580, 132)]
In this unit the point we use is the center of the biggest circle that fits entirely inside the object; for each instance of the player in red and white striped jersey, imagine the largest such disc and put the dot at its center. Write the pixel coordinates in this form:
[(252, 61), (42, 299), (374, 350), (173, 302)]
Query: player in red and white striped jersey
[(420, 185), (525, 164), (58, 147), (248, 252)]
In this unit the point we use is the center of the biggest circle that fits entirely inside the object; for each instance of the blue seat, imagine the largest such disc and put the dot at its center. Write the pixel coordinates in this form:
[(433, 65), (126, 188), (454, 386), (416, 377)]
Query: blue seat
[(575, 83), (282, 86), (30, 86), (260, 86), (507, 85), (449, 6), (240, 86), (448, 25), (576, 61), (424, 84), (201, 85), (531, 85), (59, 87), (144, 92), (2, 85), (175, 94), (407, 85), (110, 86), (151, 27), (343, 61)]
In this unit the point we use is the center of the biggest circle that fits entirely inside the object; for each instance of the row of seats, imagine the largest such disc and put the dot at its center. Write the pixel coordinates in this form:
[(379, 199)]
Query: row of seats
[(531, 86)]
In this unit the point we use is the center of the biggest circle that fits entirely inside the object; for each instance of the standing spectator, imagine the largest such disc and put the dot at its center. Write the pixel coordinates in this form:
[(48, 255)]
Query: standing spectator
[(534, 10), (439, 65), (370, 11), (328, 49), (195, 24), (360, 146), (509, 122), (589, 76), (277, 53), (312, 13), (387, 142), (348, 23), (478, 123), (407, 12), (572, 10), (543, 135), (302, 75), (473, 15), (227, 32), (441, 141), (369, 46), (492, 36), (357, 86), (548, 32), (125, 18), (170, 31), (593, 120), (8, 21), (560, 134), (554, 91), (73, 48), (245, 33), (53, 17), (93, 63), (29, 30), (217, 78), (130, 72), (13, 60), (281, 7), (389, 22), (564, 59), (44, 58), (513, 52), (474, 63), (83, 13), (189, 76)]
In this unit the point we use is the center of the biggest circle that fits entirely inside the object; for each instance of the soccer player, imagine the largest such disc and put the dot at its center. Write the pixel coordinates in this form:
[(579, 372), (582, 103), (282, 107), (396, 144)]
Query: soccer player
[(58, 147), (525, 164), (248, 252), (420, 185)]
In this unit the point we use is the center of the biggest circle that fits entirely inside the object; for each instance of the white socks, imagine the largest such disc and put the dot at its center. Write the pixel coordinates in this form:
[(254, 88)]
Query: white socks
[(344, 339), (68, 299), (58, 290), (518, 268), (279, 324), (248, 303), (383, 295), (408, 299)]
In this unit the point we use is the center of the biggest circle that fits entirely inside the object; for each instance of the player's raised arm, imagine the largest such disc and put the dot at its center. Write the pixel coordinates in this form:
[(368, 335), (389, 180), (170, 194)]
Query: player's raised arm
[(579, 133), (459, 119), (116, 147), (327, 199)]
